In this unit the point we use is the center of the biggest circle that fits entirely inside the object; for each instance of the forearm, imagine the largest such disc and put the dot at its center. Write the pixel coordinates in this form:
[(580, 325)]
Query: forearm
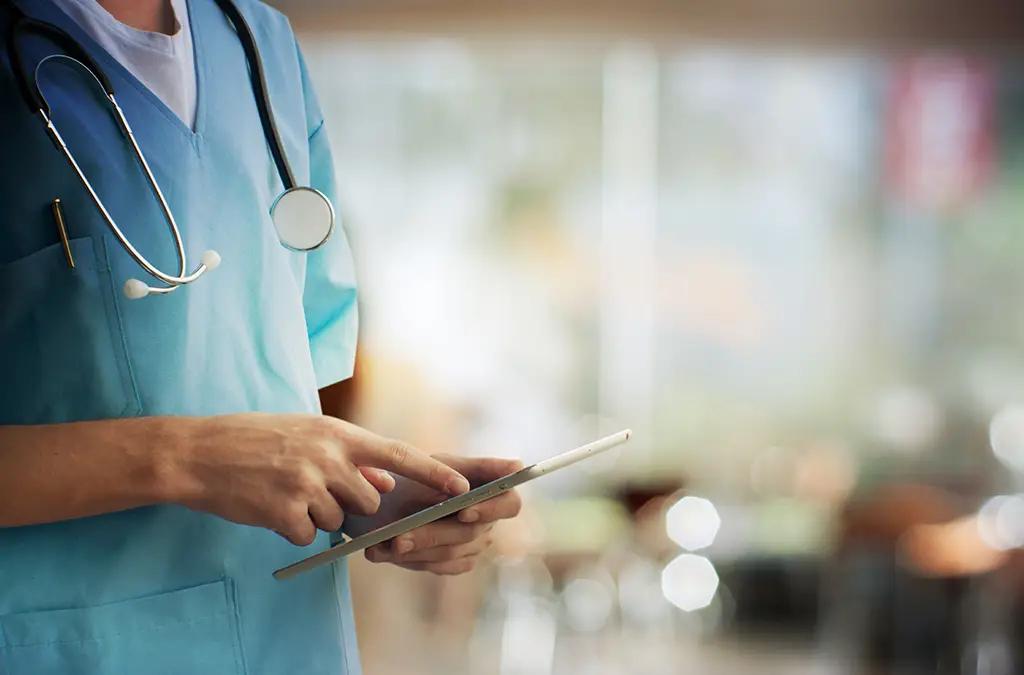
[(61, 472)]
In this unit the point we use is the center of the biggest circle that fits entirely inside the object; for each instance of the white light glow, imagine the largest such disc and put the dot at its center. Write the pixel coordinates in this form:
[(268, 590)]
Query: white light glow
[(689, 582), (906, 418), (640, 598), (1001, 522), (693, 523), (528, 638), (1006, 434), (588, 604)]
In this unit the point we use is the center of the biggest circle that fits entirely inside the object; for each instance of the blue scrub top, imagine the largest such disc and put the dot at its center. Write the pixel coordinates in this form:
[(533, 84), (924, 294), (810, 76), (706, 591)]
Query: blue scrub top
[(165, 590)]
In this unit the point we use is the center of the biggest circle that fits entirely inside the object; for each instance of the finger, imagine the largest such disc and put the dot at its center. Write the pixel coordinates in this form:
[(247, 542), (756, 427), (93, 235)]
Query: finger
[(455, 567), (476, 538), (504, 506), (406, 460), (443, 553), (326, 513), (480, 470), (381, 480), (439, 533), (300, 531), (353, 492), (426, 537)]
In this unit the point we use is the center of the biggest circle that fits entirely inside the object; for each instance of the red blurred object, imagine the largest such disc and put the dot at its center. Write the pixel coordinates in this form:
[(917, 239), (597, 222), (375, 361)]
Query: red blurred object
[(886, 515), (939, 131)]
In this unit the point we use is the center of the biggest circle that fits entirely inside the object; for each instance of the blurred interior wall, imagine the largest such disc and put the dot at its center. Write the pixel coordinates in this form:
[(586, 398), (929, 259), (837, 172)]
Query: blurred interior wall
[(988, 25)]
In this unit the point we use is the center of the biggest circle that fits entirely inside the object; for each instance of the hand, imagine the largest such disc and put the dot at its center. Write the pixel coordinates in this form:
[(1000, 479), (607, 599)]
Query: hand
[(293, 474), (451, 545)]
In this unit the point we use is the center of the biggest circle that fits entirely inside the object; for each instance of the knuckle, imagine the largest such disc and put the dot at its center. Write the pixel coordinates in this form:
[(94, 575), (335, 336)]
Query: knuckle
[(329, 454), (334, 520), (370, 502), (308, 481), (336, 467), (456, 567), (358, 500), (438, 471), (297, 533), (325, 426), (399, 452), (281, 520), (304, 531), (290, 528), (295, 515)]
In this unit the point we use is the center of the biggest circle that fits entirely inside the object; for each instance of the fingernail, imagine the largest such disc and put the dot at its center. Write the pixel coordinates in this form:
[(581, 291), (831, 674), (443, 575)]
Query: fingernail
[(378, 554), (457, 485), (469, 516), (403, 545)]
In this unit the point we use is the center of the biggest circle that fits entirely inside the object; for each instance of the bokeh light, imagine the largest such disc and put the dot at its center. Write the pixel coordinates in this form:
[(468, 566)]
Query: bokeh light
[(588, 604), (1001, 522), (689, 582), (693, 523), (1006, 435), (906, 418)]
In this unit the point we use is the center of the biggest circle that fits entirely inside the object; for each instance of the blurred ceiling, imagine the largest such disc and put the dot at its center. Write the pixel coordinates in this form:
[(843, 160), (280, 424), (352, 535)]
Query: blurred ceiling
[(984, 25)]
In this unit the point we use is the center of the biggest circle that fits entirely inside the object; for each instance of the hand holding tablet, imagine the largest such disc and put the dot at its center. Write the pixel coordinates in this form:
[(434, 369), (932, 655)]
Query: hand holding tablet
[(453, 505)]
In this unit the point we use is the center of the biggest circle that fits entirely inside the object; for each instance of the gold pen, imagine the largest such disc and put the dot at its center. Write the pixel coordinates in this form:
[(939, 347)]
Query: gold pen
[(58, 215)]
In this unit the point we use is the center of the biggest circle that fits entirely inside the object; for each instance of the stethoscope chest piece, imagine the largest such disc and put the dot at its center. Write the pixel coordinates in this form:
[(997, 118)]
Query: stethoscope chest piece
[(303, 218)]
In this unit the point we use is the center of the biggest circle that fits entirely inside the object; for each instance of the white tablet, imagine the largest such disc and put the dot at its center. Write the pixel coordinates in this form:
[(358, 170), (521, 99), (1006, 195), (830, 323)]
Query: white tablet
[(453, 505)]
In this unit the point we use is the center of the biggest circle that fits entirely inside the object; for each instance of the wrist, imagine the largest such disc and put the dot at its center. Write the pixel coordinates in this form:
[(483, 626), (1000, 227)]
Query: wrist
[(169, 441)]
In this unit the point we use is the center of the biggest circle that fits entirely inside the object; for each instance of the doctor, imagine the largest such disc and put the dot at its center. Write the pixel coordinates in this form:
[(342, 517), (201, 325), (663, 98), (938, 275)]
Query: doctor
[(161, 456)]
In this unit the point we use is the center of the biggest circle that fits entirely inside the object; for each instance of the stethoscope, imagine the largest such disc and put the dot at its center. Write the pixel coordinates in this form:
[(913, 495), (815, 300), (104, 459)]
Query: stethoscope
[(302, 216)]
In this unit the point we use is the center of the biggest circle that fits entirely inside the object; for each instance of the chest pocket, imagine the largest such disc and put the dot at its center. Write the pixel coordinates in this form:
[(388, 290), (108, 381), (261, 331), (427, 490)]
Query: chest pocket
[(188, 632), (63, 356)]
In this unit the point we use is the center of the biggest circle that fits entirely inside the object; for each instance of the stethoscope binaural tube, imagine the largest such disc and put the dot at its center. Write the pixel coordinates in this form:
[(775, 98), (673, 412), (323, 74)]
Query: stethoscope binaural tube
[(303, 216), (35, 99), (133, 288)]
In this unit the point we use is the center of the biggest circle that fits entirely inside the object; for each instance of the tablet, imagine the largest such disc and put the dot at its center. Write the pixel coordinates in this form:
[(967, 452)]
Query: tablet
[(453, 505)]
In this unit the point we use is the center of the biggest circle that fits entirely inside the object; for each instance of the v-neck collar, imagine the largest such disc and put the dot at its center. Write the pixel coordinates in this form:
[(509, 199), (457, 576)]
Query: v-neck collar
[(47, 11)]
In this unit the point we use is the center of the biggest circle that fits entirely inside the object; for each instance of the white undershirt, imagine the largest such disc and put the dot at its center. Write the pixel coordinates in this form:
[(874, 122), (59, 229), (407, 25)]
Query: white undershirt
[(165, 64)]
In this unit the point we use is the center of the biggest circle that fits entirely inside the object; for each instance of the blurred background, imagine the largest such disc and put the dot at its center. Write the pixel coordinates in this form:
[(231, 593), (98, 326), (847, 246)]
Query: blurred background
[(781, 241)]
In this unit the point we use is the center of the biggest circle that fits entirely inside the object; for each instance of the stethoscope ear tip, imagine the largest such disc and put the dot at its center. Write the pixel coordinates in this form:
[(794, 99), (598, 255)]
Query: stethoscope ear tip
[(211, 259), (135, 289)]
